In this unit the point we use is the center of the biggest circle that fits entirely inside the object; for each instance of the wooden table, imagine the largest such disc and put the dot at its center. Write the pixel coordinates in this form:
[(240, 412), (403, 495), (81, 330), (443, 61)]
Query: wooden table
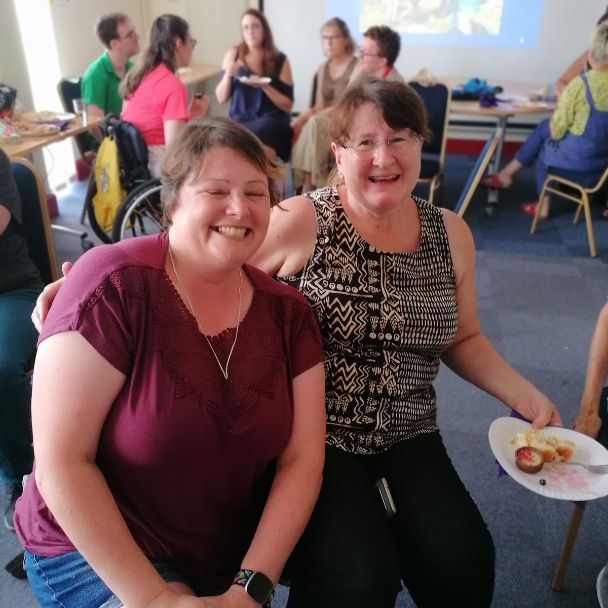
[(193, 74), (25, 146), (519, 105)]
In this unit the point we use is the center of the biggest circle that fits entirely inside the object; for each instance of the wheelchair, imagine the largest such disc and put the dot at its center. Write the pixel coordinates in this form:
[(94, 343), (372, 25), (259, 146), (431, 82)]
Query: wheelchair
[(140, 212)]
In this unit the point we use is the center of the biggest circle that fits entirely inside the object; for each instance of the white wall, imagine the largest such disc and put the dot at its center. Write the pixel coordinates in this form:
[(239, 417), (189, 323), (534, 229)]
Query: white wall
[(74, 21), (13, 68), (564, 33), (566, 27), (216, 26)]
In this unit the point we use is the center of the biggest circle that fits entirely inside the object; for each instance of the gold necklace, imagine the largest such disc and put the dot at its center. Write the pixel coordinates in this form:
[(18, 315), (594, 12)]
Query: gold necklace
[(223, 369)]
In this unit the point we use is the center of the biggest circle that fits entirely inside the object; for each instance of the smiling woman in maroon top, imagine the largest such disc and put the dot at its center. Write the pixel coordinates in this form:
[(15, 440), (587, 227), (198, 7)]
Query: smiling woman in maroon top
[(177, 403)]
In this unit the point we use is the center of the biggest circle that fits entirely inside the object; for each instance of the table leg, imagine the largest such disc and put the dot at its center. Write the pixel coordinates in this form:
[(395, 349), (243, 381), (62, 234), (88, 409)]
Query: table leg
[(494, 166)]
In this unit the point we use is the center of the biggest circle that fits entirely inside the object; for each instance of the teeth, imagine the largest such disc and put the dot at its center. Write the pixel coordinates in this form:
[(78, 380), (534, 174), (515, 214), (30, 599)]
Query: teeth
[(389, 178), (232, 231)]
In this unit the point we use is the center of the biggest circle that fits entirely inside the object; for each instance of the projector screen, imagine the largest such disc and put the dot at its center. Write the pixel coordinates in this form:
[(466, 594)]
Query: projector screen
[(508, 24), (534, 43)]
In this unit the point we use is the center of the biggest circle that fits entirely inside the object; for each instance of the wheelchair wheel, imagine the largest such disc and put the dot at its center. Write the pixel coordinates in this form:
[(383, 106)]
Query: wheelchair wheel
[(102, 235), (140, 213)]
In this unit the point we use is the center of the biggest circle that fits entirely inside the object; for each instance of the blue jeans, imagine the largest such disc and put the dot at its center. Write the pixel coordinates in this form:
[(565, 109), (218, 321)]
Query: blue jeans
[(17, 345), (67, 581)]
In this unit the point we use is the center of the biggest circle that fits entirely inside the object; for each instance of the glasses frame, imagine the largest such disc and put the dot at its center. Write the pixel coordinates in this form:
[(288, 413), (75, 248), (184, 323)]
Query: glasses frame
[(364, 53), (411, 140)]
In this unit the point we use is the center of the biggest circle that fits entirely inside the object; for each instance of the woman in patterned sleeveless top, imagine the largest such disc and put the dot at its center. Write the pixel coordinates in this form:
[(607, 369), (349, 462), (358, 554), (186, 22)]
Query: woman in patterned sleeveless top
[(391, 279)]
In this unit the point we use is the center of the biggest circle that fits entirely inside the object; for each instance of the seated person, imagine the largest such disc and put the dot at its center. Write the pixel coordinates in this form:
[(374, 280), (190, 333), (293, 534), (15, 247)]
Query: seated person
[(263, 107), (156, 101), (99, 85), (377, 55), (20, 284), (170, 462), (308, 162), (576, 137)]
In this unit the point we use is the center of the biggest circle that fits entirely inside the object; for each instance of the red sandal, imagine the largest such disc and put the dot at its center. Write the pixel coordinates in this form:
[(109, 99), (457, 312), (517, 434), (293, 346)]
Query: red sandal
[(530, 210), (493, 182)]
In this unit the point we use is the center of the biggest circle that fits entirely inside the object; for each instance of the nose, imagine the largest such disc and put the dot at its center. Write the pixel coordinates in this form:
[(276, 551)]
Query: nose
[(238, 205), (383, 155)]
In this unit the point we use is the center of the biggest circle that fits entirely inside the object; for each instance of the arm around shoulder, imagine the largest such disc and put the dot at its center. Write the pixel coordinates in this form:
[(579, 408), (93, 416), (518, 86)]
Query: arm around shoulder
[(290, 238)]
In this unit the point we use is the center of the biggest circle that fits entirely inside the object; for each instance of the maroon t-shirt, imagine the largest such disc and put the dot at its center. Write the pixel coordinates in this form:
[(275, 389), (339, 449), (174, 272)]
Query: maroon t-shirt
[(188, 455)]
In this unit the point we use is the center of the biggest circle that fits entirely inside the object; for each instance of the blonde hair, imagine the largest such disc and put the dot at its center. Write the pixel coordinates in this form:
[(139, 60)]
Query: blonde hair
[(599, 44)]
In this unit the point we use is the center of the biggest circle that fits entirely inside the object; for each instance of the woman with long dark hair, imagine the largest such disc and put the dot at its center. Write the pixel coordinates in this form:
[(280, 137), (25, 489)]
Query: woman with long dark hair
[(156, 101), (258, 83)]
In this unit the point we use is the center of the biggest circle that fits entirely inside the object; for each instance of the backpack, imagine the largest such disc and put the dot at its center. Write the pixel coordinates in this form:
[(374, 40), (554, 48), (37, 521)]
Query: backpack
[(109, 193)]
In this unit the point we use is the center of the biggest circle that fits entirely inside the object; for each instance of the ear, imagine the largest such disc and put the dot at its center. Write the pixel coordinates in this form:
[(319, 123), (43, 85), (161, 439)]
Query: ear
[(337, 152), (179, 44)]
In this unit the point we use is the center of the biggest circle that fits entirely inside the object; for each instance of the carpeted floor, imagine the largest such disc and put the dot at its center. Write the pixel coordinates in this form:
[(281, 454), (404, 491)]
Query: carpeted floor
[(538, 298)]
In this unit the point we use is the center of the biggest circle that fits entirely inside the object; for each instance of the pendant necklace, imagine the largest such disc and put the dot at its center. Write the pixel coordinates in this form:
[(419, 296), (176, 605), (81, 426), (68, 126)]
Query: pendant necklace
[(223, 369)]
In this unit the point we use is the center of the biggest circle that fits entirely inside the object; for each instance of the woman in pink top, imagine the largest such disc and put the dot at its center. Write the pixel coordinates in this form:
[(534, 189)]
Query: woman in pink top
[(156, 101)]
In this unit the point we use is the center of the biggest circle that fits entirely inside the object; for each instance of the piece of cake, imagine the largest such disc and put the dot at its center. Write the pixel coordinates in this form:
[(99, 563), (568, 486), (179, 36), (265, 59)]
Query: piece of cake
[(552, 448), (529, 460)]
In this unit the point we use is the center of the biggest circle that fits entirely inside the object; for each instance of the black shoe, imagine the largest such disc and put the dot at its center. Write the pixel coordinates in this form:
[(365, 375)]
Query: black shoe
[(13, 491), (15, 567)]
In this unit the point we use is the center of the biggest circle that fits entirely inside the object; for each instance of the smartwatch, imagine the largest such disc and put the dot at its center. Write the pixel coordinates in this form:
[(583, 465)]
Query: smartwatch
[(257, 585)]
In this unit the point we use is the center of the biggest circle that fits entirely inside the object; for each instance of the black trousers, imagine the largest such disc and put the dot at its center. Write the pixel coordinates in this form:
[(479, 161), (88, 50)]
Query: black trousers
[(352, 556)]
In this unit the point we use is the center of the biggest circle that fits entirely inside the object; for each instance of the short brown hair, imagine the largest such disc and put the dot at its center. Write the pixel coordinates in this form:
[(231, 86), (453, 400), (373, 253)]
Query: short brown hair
[(185, 157), (106, 27), (388, 41), (401, 107)]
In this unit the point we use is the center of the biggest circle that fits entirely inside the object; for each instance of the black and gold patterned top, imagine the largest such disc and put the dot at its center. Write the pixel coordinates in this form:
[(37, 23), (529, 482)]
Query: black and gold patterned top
[(385, 318)]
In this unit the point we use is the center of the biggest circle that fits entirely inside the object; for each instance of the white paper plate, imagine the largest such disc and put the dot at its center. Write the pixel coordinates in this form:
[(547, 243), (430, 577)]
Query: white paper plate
[(256, 80), (564, 482)]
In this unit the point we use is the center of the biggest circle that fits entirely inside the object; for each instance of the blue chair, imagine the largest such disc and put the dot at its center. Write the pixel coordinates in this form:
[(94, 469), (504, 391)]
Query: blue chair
[(436, 98)]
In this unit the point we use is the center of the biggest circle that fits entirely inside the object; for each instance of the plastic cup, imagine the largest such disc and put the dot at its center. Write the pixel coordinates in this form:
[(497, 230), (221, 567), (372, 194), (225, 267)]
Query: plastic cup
[(80, 109)]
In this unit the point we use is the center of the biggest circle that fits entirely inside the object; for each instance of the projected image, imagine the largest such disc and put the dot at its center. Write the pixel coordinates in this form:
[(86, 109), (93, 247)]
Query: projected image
[(465, 17)]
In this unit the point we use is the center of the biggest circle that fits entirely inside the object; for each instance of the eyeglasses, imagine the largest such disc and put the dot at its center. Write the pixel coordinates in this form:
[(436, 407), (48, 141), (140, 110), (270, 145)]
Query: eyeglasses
[(396, 144), (193, 42), (331, 38), (364, 53)]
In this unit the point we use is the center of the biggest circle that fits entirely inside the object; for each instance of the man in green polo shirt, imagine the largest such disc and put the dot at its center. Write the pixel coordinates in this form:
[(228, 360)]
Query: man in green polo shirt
[(101, 79)]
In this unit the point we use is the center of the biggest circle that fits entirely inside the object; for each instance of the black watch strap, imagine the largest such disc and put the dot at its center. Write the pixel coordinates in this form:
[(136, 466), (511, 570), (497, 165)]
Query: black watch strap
[(257, 585)]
